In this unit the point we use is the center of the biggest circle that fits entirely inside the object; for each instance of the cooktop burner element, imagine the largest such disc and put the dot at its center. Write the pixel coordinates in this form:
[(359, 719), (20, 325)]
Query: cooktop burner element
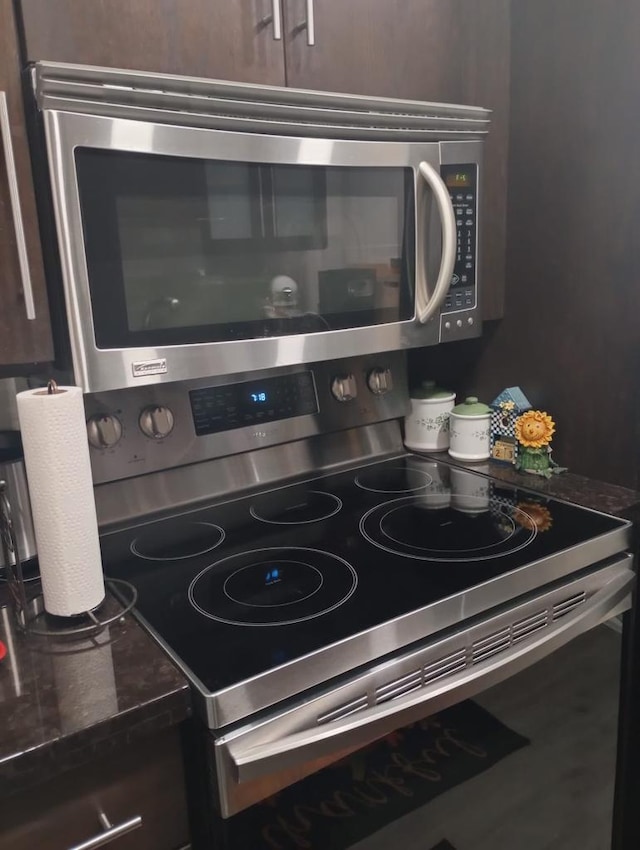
[(177, 539), (273, 587), (295, 506), (393, 479), (406, 527)]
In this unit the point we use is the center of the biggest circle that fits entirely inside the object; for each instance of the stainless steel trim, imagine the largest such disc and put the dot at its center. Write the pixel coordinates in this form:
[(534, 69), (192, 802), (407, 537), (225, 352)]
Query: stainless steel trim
[(111, 833), (427, 305), (182, 488), (238, 701), (16, 210), (99, 369), (295, 737)]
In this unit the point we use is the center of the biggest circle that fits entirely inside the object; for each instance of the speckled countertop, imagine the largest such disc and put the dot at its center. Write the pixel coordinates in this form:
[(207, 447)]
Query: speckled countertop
[(608, 498), (64, 703)]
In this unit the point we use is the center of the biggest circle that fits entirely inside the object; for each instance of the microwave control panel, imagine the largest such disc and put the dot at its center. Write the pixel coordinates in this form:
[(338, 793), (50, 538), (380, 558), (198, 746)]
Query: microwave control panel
[(462, 182)]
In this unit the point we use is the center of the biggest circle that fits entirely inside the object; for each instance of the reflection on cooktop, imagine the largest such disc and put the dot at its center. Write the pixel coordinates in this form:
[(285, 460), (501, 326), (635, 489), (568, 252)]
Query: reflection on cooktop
[(177, 539), (295, 506), (272, 587), (393, 479), (409, 528)]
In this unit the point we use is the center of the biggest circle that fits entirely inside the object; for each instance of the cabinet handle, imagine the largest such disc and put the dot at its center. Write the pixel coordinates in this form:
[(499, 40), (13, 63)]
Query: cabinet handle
[(309, 25), (277, 20), (110, 832), (12, 180), (274, 18)]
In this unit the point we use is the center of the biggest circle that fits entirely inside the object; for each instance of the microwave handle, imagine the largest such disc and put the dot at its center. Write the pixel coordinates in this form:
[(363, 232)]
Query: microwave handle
[(14, 195), (425, 305), (367, 725)]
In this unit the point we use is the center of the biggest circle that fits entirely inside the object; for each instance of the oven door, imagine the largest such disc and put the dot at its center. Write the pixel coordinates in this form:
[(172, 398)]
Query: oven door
[(269, 754), (188, 252)]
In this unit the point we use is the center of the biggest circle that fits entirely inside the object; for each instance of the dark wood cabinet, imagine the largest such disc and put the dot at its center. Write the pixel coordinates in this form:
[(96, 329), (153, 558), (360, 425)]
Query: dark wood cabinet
[(145, 784), (25, 330), (219, 39), (454, 51)]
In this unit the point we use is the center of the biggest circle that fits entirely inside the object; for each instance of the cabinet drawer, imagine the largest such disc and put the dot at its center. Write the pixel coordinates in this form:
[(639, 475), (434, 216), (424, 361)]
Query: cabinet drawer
[(146, 781)]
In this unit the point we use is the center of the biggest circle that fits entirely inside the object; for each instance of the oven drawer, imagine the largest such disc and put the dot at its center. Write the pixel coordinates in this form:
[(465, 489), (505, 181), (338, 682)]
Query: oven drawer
[(257, 760), (140, 792)]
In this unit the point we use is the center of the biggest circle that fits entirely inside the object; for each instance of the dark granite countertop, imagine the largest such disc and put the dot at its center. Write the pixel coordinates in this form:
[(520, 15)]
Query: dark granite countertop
[(608, 498), (67, 702)]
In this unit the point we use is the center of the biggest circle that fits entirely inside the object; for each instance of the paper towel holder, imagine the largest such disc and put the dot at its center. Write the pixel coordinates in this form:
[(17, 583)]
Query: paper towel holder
[(28, 609)]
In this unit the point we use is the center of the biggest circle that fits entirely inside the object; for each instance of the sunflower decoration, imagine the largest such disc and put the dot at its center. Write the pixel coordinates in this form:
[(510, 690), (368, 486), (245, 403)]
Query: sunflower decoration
[(533, 431), (534, 516)]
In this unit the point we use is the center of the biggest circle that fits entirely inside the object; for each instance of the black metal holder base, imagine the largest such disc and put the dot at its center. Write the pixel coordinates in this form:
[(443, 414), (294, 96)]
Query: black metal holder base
[(34, 620)]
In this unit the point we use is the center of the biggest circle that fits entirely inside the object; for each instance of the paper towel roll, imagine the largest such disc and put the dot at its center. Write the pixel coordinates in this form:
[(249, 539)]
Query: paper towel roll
[(56, 456)]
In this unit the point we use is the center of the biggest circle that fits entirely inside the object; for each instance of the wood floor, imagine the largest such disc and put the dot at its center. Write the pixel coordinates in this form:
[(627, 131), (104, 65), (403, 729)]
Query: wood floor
[(557, 793)]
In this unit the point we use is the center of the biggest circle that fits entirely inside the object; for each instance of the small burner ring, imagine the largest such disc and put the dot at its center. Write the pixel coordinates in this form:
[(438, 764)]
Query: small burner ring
[(311, 506), (393, 479), (177, 542)]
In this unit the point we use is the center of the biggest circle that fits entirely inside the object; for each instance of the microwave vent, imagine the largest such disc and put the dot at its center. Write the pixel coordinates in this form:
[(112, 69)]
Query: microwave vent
[(190, 101)]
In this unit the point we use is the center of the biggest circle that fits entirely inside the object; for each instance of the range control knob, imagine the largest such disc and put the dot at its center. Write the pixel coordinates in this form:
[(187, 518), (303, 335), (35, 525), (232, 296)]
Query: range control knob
[(156, 421), (380, 381), (344, 388), (104, 430)]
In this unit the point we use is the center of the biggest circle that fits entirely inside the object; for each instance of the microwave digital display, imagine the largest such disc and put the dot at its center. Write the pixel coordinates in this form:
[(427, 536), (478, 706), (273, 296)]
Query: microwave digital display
[(458, 179)]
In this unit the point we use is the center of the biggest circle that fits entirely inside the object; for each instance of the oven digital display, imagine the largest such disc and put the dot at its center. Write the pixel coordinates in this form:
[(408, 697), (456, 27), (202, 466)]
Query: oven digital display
[(239, 405)]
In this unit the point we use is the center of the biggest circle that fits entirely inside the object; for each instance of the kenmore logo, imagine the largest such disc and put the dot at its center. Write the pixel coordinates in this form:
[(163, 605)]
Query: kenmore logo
[(149, 367)]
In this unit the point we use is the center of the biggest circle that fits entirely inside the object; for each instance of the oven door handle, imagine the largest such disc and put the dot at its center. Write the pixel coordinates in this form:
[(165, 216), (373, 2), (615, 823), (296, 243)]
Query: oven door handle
[(368, 725), (427, 305)]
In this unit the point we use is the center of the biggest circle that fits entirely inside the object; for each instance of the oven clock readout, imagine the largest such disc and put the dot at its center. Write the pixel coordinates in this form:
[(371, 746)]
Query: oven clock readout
[(249, 403)]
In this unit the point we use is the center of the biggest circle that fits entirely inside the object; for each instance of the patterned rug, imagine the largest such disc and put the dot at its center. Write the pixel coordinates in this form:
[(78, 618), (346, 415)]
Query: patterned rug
[(344, 803)]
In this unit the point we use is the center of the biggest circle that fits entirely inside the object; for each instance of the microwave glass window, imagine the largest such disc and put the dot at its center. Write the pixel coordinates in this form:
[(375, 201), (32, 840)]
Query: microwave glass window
[(189, 250)]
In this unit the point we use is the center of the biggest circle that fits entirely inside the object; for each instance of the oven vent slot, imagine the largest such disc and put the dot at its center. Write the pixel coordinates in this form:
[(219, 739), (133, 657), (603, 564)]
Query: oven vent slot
[(399, 687), (446, 666), (344, 710), (567, 605), (490, 645), (523, 628)]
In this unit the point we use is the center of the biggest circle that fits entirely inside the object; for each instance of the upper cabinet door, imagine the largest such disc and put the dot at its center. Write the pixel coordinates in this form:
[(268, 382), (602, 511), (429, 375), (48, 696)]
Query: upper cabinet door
[(454, 51), (25, 331), (219, 39)]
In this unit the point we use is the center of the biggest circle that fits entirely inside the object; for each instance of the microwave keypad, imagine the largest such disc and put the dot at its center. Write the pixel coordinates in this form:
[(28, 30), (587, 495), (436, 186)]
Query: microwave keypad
[(461, 181)]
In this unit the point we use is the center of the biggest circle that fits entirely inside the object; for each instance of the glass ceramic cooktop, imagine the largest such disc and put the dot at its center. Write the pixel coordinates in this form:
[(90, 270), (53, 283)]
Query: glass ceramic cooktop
[(274, 575)]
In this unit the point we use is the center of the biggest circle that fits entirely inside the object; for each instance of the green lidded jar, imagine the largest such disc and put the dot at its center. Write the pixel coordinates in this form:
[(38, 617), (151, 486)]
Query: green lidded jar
[(470, 430)]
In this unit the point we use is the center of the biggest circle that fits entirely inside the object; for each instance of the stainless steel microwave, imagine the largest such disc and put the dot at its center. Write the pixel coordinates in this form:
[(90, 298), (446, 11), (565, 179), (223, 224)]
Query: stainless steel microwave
[(210, 228)]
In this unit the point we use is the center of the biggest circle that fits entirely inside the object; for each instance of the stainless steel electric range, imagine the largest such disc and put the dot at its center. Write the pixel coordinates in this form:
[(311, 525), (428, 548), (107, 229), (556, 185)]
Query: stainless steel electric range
[(322, 591)]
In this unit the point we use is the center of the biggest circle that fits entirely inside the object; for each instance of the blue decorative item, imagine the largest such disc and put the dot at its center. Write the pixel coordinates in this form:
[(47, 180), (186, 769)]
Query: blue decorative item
[(506, 408)]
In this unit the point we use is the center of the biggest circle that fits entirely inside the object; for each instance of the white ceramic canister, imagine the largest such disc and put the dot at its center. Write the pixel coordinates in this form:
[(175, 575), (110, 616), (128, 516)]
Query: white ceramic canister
[(469, 430), (426, 428)]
